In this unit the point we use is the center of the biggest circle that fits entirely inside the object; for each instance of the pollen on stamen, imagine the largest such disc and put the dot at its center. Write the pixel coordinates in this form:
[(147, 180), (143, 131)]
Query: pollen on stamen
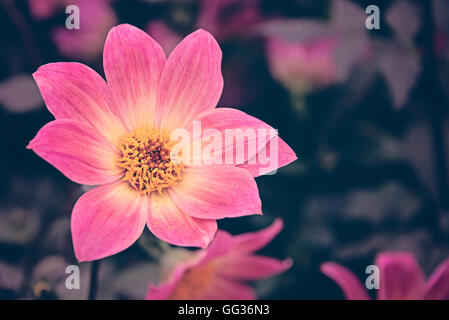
[(145, 158)]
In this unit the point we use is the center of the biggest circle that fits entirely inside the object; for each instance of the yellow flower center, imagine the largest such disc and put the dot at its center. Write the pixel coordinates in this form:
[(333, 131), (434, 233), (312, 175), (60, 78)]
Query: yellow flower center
[(145, 157), (194, 283)]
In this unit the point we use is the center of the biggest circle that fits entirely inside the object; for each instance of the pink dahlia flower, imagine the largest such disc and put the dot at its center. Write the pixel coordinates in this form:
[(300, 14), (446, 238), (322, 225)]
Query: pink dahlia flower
[(116, 135), (301, 67), (401, 278), (217, 272)]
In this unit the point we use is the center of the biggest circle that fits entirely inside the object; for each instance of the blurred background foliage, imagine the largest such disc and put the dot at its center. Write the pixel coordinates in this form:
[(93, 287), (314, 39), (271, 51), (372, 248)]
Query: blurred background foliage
[(366, 111)]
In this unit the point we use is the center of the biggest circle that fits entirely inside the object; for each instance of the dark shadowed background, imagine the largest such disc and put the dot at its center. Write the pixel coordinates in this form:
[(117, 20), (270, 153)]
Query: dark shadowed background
[(366, 111)]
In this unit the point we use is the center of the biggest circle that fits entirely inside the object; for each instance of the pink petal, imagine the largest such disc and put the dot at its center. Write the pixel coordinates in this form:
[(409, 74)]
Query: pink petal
[(221, 245), (106, 220), (253, 241), (438, 284), (401, 277), (267, 161), (348, 282), (133, 64), (164, 290), (75, 91), (225, 289), (161, 292), (216, 192), (170, 224), (250, 267), (241, 137), (191, 81), (77, 150)]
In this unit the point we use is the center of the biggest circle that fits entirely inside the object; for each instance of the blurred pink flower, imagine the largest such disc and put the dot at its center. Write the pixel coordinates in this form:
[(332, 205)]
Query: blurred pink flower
[(217, 272), (401, 278), (116, 134), (42, 9), (96, 18), (301, 67), (224, 18)]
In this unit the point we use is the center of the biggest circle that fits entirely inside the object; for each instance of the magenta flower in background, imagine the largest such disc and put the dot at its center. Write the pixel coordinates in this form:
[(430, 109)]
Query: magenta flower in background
[(401, 278), (224, 18), (96, 18), (116, 135), (218, 272), (302, 66), (164, 35), (43, 9)]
